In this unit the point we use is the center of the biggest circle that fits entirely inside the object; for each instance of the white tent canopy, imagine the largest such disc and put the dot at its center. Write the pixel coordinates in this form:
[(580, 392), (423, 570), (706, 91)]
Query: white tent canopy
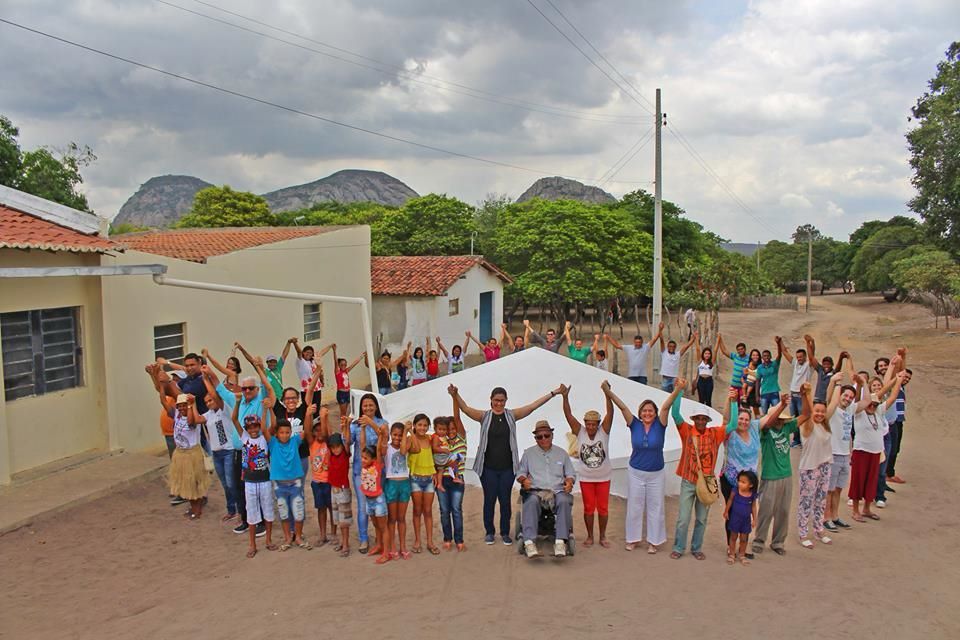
[(526, 376)]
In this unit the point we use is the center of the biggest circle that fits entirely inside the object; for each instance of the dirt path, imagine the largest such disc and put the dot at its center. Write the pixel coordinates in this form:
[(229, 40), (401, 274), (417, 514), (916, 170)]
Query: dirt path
[(129, 566)]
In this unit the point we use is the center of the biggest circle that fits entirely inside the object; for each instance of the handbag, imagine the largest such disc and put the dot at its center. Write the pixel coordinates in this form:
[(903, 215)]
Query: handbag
[(707, 488)]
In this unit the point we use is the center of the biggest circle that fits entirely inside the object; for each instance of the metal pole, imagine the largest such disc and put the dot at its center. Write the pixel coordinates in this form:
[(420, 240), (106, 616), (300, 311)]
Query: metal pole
[(657, 237), (809, 267), (290, 295)]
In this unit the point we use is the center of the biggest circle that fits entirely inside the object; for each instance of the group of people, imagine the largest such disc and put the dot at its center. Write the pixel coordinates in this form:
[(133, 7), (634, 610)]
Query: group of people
[(264, 441)]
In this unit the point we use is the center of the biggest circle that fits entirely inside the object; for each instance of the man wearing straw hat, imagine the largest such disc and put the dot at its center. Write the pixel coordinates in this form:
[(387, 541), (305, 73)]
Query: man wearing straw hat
[(546, 472), (776, 477)]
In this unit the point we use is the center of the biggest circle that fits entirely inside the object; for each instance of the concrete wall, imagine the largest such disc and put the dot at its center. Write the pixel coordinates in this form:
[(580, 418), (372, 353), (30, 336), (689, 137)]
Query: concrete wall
[(334, 263), (40, 429), (402, 319)]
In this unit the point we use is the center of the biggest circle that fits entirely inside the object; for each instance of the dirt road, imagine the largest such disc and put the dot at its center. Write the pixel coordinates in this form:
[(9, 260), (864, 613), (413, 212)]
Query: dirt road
[(128, 566)]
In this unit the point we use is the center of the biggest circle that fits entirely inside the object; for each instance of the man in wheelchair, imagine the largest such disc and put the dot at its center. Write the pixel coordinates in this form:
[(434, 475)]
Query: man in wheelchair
[(546, 476)]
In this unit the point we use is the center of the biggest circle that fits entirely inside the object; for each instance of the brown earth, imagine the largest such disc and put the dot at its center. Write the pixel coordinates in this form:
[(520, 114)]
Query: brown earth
[(129, 566)]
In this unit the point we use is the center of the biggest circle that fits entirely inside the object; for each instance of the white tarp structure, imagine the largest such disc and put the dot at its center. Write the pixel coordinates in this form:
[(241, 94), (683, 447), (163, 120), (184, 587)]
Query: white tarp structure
[(526, 376)]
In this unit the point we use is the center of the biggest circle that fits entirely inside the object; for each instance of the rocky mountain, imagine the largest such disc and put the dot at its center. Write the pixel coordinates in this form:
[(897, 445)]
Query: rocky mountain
[(160, 201), (349, 185), (557, 188)]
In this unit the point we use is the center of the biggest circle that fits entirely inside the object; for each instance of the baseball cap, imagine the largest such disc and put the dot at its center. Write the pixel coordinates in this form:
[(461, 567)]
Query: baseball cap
[(251, 419), (274, 358)]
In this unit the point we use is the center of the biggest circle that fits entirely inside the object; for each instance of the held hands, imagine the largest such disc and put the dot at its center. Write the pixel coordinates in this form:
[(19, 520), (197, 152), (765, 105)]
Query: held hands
[(190, 399), (408, 427), (660, 326), (311, 409), (680, 383), (452, 390), (563, 390), (605, 387), (733, 396), (344, 421), (784, 398), (238, 396), (324, 413), (204, 369), (526, 323), (805, 388), (204, 352), (258, 362), (467, 333), (266, 403)]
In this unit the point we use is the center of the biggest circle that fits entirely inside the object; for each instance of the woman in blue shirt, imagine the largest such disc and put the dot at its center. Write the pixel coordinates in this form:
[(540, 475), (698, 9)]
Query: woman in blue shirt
[(645, 473)]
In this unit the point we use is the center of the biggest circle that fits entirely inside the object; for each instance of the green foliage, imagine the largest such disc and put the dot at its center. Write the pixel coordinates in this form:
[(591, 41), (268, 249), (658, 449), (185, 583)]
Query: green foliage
[(125, 227), (804, 232), (335, 213), (724, 276), (932, 272), (46, 173), (786, 263), (224, 207), (569, 251), (429, 225), (487, 214), (872, 264), (935, 153)]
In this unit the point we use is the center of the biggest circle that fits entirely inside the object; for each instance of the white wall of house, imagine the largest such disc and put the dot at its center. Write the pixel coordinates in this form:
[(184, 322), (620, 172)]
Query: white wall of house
[(334, 263), (401, 319)]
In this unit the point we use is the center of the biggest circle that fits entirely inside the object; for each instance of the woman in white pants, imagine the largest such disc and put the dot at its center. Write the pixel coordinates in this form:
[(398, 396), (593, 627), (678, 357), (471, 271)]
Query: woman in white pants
[(645, 473)]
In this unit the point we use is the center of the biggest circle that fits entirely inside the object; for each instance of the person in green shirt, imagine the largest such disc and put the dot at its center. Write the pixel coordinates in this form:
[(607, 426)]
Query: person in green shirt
[(274, 368), (769, 372), (776, 483), (577, 350)]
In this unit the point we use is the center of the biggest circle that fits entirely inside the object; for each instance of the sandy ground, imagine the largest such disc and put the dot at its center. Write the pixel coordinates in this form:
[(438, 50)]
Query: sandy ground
[(128, 566)]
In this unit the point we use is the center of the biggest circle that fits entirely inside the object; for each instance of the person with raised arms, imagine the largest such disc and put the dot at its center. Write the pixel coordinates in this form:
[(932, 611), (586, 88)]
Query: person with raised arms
[(456, 355), (814, 467), (670, 361), (497, 458), (550, 342), (637, 354), (517, 343), (740, 360)]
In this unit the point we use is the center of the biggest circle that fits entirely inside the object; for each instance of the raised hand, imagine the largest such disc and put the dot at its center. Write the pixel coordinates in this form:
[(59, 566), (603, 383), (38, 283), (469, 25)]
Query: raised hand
[(807, 337), (266, 403), (605, 386), (805, 388), (660, 326), (680, 383), (734, 395), (205, 369), (452, 390), (324, 413), (204, 352), (526, 323), (258, 362), (563, 389), (311, 409), (784, 398), (238, 396), (191, 399)]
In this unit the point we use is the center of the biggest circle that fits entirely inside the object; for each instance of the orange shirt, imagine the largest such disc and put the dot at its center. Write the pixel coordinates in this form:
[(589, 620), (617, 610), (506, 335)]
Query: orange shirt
[(166, 423), (708, 443)]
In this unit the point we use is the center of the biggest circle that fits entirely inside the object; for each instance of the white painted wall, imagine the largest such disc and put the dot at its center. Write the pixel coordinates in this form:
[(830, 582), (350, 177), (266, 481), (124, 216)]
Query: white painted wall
[(468, 291)]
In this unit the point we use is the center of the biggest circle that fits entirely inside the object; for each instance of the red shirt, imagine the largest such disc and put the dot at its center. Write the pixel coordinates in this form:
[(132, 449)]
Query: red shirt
[(433, 367), (707, 443), (371, 479), (491, 353), (339, 475), (343, 380)]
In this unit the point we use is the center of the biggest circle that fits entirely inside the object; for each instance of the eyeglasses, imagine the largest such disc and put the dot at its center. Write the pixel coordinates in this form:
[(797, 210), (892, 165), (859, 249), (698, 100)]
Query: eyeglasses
[(247, 388), (544, 436)]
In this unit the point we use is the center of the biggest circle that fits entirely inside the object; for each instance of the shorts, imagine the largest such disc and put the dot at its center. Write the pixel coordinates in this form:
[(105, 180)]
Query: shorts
[(397, 490), (377, 506), (259, 497), (342, 509), (422, 484), (290, 500), (383, 390), (839, 472), (321, 495), (343, 397)]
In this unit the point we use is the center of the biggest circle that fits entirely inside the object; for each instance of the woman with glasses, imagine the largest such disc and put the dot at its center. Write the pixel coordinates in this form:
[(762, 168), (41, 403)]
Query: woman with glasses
[(645, 473), (497, 458)]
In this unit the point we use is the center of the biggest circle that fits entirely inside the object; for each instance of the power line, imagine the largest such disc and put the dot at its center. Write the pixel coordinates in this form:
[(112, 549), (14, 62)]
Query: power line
[(588, 58), (637, 148), (625, 154), (262, 101), (392, 69)]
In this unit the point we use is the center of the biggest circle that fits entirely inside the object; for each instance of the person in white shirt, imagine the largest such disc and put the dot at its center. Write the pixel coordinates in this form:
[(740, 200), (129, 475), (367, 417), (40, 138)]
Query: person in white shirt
[(600, 359), (307, 362), (637, 354), (801, 373), (670, 361), (223, 442)]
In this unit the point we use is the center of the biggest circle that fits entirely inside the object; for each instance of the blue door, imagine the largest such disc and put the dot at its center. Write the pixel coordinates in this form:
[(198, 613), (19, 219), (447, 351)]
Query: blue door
[(486, 316)]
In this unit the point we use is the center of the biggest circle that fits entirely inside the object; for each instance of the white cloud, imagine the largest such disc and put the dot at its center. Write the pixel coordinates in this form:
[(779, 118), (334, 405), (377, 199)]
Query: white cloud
[(794, 201)]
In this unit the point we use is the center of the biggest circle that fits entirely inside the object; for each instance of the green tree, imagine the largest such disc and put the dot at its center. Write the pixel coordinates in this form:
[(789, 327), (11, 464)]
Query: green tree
[(429, 225), (125, 227), (931, 272), (47, 173), (487, 214), (805, 231), (935, 153), (872, 265), (335, 213), (224, 207), (569, 251)]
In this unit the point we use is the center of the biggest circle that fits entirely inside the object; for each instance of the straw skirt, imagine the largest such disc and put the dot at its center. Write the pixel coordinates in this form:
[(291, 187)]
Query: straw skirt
[(187, 477)]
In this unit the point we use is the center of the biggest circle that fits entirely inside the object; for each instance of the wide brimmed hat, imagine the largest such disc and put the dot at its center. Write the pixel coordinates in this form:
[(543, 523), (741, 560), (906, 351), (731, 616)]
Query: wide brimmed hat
[(593, 416), (542, 425), (183, 399)]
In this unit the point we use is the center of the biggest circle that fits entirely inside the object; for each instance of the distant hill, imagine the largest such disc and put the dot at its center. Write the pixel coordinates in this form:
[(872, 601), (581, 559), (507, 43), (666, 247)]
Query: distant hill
[(743, 248), (160, 201), (350, 185), (557, 188)]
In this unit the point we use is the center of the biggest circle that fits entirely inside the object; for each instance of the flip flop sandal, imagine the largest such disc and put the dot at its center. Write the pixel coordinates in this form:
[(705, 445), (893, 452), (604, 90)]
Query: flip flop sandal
[(382, 560), (363, 549), (321, 543), (675, 555), (405, 555), (271, 547), (433, 550), (730, 559), (284, 547), (394, 555), (825, 540), (871, 516), (345, 553), (417, 549), (303, 544), (630, 546), (588, 542), (744, 561), (780, 552), (651, 549), (698, 555), (806, 544), (251, 553), (858, 518)]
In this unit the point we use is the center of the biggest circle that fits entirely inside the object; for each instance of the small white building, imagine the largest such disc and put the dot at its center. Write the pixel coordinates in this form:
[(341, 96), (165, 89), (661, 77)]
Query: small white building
[(419, 296)]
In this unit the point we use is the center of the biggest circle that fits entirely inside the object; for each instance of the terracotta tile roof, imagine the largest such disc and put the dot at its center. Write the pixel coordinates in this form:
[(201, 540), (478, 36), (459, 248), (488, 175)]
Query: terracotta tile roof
[(196, 245), (20, 230), (423, 275)]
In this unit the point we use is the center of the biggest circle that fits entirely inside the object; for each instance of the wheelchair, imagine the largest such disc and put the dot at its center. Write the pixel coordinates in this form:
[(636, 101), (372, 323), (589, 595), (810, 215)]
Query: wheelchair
[(546, 528)]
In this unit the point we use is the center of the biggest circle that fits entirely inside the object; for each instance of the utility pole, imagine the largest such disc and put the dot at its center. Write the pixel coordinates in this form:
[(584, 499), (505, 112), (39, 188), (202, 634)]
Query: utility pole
[(758, 256), (809, 267), (657, 236)]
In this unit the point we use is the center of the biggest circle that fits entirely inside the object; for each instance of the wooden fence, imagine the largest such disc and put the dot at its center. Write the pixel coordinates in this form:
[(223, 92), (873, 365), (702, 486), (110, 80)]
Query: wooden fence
[(763, 302)]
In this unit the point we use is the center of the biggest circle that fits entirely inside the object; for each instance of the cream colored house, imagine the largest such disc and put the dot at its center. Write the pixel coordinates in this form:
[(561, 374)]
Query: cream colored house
[(419, 296), (74, 347)]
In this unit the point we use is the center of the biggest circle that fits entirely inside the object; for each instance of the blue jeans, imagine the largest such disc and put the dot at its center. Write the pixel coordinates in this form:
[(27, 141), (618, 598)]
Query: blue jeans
[(223, 463), (451, 510), (640, 379), (384, 390), (497, 486), (666, 383), (363, 519), (689, 502), (882, 475), (768, 400)]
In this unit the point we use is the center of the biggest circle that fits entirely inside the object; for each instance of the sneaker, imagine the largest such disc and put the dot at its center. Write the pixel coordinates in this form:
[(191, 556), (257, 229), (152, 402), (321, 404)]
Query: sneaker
[(175, 500), (890, 489), (840, 523), (530, 548), (242, 528), (829, 526), (488, 538), (559, 549), (261, 530), (881, 504), (507, 540)]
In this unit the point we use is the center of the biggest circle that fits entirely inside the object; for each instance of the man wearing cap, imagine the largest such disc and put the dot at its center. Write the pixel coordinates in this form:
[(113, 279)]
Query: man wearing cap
[(274, 369), (545, 469), (776, 481), (697, 438)]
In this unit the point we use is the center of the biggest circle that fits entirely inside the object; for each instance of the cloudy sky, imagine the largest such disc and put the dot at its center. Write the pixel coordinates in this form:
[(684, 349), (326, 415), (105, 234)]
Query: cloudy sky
[(799, 106)]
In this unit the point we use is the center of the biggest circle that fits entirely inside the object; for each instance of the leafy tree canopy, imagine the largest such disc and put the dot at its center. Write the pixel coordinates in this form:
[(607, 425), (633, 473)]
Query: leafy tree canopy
[(224, 207), (429, 225)]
